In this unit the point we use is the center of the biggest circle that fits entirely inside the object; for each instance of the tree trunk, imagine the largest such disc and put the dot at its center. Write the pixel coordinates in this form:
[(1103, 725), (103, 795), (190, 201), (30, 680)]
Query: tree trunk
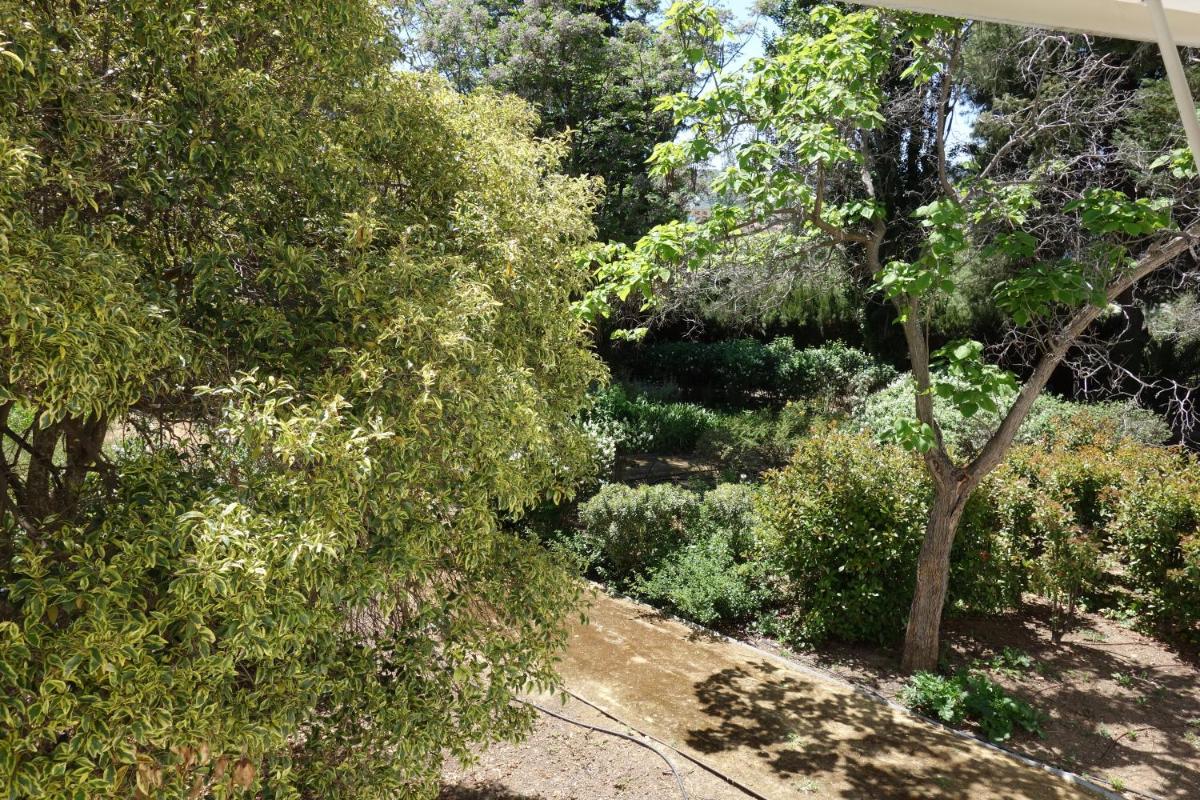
[(933, 578)]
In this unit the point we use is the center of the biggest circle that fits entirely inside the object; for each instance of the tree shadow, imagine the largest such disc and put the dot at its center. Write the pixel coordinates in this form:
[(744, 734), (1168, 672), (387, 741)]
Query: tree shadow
[(1079, 686), (489, 790), (852, 745)]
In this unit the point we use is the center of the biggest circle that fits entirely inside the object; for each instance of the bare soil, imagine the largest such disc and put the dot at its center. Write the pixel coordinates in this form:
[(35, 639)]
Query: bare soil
[(560, 761), (1123, 707)]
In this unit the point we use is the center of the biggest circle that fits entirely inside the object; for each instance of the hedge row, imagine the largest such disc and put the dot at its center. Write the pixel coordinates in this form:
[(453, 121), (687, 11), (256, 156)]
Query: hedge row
[(747, 371), (827, 546)]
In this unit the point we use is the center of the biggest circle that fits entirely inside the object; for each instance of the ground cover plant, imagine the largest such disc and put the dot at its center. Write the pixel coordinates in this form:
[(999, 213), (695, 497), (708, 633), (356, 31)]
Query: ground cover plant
[(971, 696)]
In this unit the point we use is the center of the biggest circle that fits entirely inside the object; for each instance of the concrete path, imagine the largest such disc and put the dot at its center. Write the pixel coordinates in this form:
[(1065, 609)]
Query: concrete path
[(780, 731)]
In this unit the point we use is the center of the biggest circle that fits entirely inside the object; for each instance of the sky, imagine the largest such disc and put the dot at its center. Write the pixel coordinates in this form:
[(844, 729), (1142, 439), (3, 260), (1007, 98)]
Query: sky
[(744, 11)]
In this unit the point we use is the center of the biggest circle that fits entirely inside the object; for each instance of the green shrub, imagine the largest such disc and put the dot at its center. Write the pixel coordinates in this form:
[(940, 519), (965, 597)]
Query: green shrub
[(971, 696), (713, 578), (833, 371), (727, 513), (1089, 490), (1050, 418), (747, 442), (705, 582), (637, 423), (1157, 533), (842, 525), (936, 696), (630, 530)]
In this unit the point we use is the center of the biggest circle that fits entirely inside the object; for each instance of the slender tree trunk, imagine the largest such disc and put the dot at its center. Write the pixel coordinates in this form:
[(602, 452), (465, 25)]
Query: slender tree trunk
[(933, 578)]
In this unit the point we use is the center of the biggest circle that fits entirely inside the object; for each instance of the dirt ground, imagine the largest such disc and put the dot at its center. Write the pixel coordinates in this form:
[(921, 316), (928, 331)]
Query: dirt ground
[(563, 762), (1123, 707)]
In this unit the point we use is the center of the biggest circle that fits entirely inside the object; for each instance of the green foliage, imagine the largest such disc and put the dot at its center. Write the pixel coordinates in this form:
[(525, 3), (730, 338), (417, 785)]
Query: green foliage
[(592, 68), (1089, 492), (692, 553), (727, 513), (1051, 417), (747, 371), (971, 696), (1156, 528), (630, 530), (842, 526), (747, 442), (1063, 556), (705, 583), (294, 583), (639, 423)]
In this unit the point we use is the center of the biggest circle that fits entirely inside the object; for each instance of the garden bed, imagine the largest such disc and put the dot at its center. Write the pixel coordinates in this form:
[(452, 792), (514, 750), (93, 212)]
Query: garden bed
[(1121, 706)]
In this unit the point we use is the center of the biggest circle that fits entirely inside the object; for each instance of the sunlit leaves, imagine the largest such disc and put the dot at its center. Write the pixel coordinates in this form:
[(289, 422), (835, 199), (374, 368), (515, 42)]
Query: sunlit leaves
[(969, 383), (1106, 211), (1037, 290), (913, 435), (296, 582)]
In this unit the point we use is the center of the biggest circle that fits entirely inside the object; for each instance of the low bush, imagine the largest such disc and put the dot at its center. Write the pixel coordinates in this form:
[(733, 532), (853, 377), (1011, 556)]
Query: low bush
[(748, 442), (842, 525), (1052, 418), (1156, 531), (971, 696), (1088, 491), (638, 423), (628, 531), (841, 374), (705, 582), (727, 513)]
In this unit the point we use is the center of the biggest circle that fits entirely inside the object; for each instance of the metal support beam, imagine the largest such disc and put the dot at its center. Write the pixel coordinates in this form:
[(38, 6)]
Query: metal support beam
[(1175, 73)]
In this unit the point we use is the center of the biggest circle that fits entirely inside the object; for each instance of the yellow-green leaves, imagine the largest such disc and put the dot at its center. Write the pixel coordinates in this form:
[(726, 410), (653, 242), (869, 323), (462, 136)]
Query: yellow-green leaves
[(283, 333)]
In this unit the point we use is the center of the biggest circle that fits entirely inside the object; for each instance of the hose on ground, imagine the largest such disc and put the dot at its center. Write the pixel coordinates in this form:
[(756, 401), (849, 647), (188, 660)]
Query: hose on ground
[(678, 778)]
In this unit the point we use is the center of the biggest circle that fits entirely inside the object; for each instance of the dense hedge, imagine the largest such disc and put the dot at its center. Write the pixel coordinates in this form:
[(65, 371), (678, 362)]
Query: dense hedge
[(637, 423), (1137, 505), (689, 551), (747, 371), (827, 545)]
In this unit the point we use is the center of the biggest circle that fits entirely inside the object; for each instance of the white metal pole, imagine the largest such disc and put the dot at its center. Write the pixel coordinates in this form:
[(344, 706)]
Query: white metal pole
[(1175, 73)]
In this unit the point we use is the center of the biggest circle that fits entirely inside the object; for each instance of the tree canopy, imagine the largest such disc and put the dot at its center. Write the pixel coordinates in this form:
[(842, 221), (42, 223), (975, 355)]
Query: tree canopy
[(285, 334), (595, 68)]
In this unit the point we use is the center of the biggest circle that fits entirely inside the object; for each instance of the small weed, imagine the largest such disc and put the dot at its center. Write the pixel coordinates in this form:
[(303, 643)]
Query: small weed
[(1132, 736), (1013, 662), (1093, 635), (1117, 783), (1192, 738), (1123, 679), (808, 786)]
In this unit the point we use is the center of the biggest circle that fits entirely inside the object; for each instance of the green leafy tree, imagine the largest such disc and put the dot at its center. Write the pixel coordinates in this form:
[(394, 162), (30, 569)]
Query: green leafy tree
[(595, 68), (812, 137), (285, 334)]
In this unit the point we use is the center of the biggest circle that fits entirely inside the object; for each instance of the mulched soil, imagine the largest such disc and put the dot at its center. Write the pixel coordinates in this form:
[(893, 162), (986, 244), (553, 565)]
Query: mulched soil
[(1123, 707)]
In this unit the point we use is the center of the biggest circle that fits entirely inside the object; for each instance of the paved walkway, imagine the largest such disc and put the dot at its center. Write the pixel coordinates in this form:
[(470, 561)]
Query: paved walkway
[(780, 731)]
